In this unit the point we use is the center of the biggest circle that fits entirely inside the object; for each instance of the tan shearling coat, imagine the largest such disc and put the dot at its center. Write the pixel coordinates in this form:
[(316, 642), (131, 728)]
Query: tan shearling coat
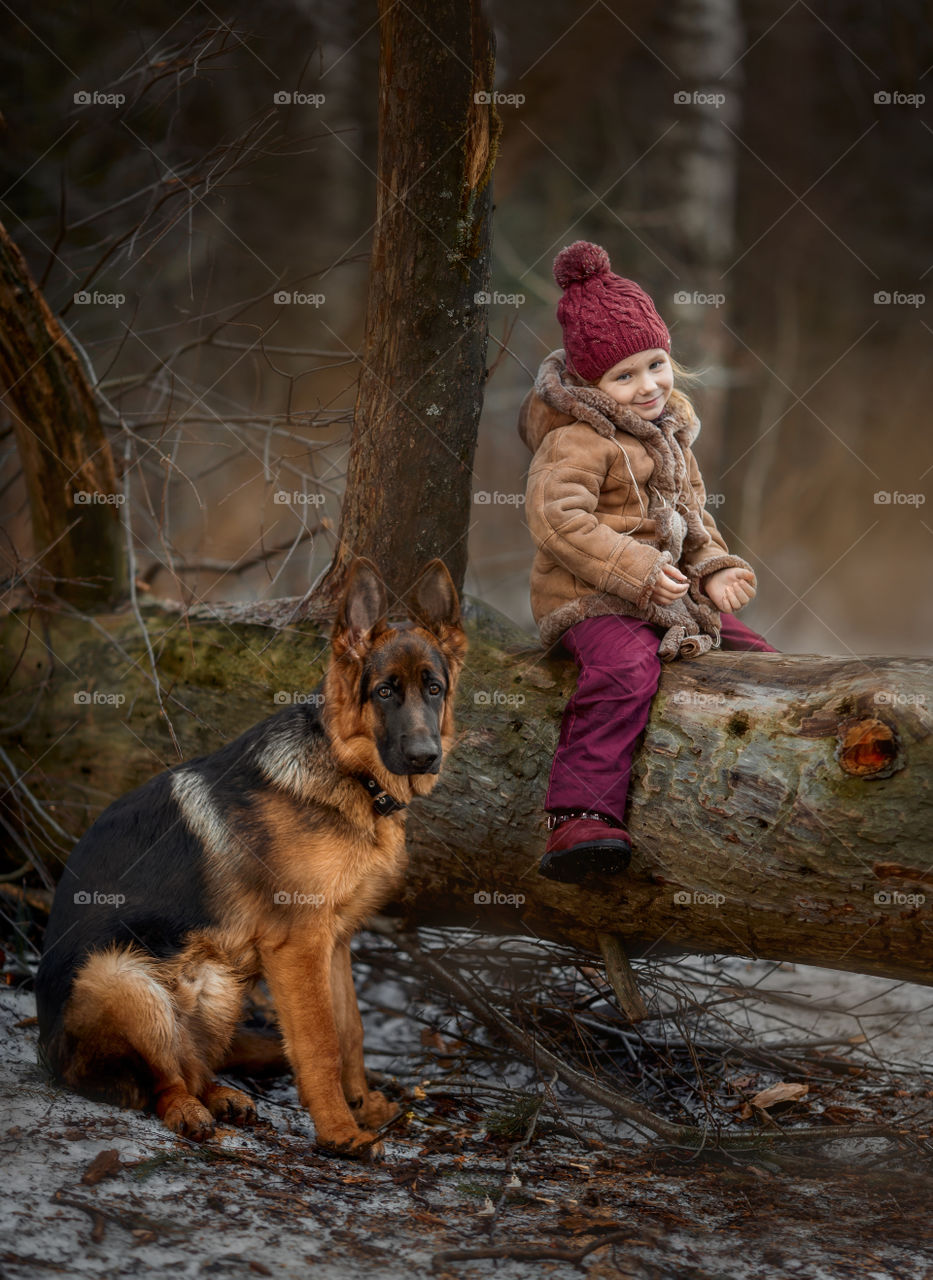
[(610, 500)]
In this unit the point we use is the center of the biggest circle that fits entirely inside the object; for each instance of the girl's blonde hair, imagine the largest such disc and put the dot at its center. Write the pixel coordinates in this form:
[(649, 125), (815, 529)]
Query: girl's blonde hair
[(688, 378)]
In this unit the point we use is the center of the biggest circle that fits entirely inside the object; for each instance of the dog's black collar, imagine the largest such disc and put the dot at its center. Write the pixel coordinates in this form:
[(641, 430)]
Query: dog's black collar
[(383, 803)]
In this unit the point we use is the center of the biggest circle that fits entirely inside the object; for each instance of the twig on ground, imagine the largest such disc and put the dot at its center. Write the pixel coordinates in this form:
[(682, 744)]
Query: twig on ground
[(529, 1252), (620, 1104)]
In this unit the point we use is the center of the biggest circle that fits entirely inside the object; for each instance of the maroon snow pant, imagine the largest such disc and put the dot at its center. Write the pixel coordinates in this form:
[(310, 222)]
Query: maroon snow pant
[(619, 674)]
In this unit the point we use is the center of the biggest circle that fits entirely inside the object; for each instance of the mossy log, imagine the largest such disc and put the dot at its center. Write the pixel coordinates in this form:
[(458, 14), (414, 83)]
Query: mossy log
[(781, 805)]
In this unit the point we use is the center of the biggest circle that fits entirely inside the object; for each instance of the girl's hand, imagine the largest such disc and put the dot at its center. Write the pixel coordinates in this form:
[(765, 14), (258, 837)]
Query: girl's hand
[(730, 589), (670, 585)]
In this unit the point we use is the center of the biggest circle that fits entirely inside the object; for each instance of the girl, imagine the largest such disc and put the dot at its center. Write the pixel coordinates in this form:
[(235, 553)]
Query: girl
[(630, 567)]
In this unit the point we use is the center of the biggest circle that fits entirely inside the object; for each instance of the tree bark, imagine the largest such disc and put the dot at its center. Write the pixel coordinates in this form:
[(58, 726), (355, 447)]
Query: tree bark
[(409, 474), (68, 467), (781, 805)]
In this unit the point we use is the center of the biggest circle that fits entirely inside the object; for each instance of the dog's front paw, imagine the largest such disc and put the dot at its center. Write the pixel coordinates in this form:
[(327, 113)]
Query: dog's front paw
[(376, 1110), (356, 1144), (188, 1117), (230, 1104)]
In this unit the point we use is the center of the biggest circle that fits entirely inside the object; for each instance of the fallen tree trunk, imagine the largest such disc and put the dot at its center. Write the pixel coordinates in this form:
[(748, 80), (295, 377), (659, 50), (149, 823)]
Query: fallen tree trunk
[(781, 805)]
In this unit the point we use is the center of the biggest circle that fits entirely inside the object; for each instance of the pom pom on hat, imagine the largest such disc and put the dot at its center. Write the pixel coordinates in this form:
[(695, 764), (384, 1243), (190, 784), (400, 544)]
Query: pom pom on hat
[(578, 261), (604, 317)]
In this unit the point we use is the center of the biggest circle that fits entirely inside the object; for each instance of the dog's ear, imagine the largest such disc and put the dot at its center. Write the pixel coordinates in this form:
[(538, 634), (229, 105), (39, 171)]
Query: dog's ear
[(433, 604), (362, 612)]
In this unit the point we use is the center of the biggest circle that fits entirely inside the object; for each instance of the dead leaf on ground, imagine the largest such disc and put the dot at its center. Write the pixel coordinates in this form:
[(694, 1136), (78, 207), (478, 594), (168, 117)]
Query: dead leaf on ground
[(740, 1082), (782, 1092), (106, 1164)]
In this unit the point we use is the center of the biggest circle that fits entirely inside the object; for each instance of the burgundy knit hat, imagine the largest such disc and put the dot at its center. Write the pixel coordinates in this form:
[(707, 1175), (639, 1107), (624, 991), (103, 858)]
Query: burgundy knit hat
[(604, 317)]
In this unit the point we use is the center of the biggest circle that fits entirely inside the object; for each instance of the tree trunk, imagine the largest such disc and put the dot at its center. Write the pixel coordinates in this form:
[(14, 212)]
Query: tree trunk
[(781, 805), (409, 474), (691, 178), (70, 478)]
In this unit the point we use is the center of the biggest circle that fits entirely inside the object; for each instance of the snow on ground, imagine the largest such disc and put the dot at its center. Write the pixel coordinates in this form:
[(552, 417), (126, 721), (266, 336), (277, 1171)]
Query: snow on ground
[(266, 1202), (895, 1017)]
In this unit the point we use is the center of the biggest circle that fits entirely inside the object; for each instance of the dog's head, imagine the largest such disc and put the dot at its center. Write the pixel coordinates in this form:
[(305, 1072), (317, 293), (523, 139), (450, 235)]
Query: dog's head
[(390, 687)]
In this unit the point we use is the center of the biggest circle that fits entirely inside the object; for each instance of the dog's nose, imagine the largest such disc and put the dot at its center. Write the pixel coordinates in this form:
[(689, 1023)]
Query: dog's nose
[(422, 759)]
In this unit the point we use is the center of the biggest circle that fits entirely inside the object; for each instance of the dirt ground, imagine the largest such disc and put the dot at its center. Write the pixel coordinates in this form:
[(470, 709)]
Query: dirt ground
[(93, 1191)]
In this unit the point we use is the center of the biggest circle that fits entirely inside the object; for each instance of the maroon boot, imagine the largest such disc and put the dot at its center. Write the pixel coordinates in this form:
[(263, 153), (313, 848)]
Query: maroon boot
[(582, 843)]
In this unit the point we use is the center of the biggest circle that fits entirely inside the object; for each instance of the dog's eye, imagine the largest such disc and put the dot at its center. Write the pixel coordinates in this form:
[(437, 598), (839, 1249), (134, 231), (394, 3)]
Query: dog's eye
[(434, 688), (384, 691)]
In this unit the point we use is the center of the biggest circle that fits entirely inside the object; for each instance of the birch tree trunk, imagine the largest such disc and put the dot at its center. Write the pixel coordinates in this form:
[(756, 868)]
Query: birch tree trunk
[(691, 178)]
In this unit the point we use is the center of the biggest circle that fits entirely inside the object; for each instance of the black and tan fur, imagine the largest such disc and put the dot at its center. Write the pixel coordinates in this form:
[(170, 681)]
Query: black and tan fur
[(258, 861)]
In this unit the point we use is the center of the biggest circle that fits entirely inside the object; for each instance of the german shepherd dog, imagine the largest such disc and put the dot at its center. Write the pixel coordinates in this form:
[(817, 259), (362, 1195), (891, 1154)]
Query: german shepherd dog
[(257, 861)]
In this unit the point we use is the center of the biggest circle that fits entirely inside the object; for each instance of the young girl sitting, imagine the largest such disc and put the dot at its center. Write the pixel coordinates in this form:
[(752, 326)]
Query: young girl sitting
[(630, 567)]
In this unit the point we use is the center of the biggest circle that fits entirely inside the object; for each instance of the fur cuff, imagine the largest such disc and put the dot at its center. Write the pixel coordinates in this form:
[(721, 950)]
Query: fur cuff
[(697, 572), (644, 596)]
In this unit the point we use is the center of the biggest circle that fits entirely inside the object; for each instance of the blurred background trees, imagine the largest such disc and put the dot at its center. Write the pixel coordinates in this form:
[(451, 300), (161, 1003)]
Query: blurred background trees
[(762, 169)]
